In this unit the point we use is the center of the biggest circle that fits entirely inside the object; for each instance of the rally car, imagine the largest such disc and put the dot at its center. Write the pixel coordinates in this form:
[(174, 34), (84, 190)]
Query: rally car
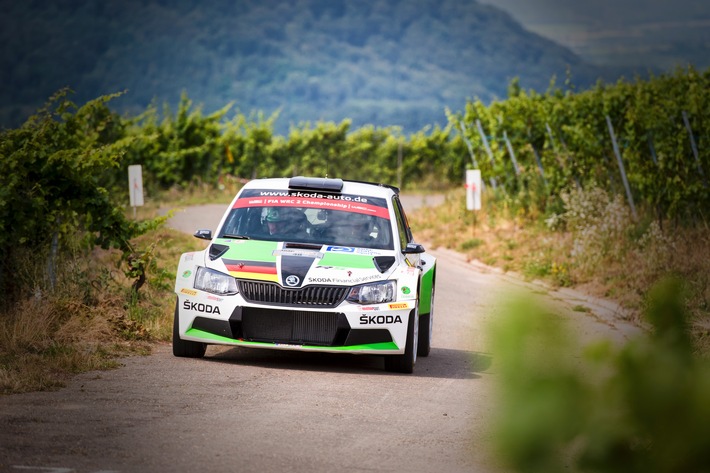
[(309, 264)]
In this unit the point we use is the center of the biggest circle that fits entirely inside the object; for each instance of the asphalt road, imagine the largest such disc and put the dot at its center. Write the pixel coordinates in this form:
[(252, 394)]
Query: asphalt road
[(241, 410)]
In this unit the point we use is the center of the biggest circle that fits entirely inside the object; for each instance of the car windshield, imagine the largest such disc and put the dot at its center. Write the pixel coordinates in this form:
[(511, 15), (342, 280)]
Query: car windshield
[(309, 225)]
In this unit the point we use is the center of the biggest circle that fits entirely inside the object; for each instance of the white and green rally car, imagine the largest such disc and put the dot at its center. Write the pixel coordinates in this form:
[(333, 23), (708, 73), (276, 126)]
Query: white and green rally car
[(309, 264)]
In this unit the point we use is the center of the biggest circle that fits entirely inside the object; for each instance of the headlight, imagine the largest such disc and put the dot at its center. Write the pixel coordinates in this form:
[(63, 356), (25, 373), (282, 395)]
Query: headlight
[(374, 293), (215, 282)]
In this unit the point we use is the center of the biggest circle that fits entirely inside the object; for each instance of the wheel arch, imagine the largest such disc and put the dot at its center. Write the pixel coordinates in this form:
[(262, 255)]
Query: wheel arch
[(426, 287)]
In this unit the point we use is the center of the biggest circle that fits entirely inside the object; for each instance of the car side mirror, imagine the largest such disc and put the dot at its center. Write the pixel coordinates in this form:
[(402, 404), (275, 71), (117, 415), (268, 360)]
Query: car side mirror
[(203, 234), (413, 248)]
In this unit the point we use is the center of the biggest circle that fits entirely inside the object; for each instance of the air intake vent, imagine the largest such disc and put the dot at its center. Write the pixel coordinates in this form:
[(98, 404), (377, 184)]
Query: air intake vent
[(217, 250), (290, 326)]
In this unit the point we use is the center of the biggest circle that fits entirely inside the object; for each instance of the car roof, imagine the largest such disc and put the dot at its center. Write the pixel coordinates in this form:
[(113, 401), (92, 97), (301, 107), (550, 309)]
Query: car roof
[(323, 185)]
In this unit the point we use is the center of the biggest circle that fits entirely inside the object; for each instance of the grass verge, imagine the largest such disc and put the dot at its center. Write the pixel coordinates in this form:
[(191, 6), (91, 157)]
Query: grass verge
[(590, 242), (92, 318)]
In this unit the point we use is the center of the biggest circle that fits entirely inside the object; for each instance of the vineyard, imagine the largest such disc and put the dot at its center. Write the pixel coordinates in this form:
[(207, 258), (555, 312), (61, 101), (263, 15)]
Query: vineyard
[(64, 171), (646, 140)]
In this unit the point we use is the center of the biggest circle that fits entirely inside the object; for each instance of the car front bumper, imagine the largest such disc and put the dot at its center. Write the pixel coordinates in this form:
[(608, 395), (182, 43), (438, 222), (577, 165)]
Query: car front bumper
[(231, 320)]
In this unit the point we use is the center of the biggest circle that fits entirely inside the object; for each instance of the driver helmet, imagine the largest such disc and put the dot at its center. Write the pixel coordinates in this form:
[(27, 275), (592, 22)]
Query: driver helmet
[(276, 215)]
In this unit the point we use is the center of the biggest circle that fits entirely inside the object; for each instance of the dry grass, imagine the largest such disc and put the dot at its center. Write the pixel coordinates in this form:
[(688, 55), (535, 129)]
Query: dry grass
[(91, 319), (492, 237), (47, 338), (593, 245)]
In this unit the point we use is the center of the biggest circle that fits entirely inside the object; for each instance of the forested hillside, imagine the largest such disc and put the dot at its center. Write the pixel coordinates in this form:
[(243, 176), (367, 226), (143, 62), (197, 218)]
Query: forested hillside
[(385, 62), (662, 34)]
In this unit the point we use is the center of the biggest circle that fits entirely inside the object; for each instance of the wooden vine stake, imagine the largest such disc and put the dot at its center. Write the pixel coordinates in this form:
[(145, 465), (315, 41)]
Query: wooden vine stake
[(621, 168)]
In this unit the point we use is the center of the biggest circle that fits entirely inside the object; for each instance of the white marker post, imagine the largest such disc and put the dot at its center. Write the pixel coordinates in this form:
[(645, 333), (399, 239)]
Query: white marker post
[(473, 192), (473, 189), (135, 186)]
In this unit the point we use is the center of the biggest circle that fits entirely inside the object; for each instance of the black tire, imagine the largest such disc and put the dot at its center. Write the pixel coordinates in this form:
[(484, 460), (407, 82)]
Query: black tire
[(426, 327), (185, 348), (405, 363)]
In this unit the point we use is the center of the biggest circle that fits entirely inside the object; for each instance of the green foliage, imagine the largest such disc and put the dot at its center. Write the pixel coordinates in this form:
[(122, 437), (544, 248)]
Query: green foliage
[(250, 149), (53, 175), (182, 148), (318, 150), (561, 141), (639, 408)]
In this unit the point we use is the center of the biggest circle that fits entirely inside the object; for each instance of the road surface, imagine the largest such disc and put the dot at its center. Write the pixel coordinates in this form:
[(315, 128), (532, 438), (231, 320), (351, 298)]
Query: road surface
[(240, 410)]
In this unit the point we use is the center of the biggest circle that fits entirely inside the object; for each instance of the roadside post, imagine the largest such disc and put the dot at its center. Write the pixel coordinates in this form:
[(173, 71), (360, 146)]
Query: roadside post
[(473, 193), (135, 186)]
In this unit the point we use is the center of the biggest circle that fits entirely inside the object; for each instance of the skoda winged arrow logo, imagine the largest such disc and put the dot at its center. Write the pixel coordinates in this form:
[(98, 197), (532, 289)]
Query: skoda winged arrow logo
[(292, 280)]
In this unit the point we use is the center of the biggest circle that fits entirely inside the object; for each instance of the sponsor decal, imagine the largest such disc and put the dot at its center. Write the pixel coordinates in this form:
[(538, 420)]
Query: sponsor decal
[(372, 277), (189, 292), (399, 305), (214, 298), (186, 274), (317, 280), (233, 242), (355, 280), (370, 308), (199, 307), (366, 319), (340, 249), (298, 199), (189, 256), (317, 195), (406, 290), (368, 252), (268, 193), (298, 253), (292, 280)]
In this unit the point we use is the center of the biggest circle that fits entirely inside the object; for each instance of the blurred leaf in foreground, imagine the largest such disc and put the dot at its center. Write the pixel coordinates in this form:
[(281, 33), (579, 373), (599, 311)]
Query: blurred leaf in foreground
[(643, 407)]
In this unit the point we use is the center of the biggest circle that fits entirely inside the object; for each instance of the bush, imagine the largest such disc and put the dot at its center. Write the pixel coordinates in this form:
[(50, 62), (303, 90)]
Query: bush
[(54, 195)]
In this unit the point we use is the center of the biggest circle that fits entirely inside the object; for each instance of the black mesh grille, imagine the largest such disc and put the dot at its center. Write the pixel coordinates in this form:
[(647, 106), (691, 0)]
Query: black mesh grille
[(289, 326), (309, 296)]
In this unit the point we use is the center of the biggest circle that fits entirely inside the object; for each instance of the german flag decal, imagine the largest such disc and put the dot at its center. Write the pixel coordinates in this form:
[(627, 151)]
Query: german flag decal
[(263, 271)]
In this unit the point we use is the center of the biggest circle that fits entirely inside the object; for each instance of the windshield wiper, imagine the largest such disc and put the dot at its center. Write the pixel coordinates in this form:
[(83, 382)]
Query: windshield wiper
[(235, 237)]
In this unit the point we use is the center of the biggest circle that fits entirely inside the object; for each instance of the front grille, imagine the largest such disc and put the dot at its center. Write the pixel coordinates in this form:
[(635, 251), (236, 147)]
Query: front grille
[(309, 296), (290, 326)]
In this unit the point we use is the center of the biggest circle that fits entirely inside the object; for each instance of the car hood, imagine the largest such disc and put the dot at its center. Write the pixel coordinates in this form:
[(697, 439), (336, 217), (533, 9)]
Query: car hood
[(297, 265)]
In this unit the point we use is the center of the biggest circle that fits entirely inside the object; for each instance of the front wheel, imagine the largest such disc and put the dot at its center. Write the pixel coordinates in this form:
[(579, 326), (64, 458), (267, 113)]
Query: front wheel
[(405, 363), (185, 348)]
